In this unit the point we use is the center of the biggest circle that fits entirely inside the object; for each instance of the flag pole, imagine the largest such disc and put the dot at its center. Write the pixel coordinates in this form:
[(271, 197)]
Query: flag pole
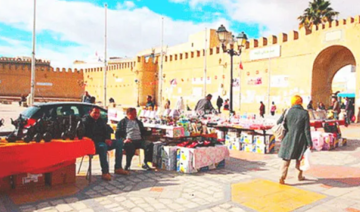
[(161, 63), (205, 41), (32, 90), (105, 57)]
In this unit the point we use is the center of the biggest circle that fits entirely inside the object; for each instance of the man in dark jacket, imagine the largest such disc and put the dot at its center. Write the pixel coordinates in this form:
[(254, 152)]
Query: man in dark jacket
[(262, 109), (219, 103), (97, 130), (132, 131)]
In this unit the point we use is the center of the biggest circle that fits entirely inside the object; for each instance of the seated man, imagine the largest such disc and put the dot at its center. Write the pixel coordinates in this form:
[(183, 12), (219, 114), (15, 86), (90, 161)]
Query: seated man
[(96, 129), (132, 131)]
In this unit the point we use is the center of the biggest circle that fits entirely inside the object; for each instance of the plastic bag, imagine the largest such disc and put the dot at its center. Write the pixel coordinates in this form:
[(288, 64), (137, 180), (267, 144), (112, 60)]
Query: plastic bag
[(305, 161)]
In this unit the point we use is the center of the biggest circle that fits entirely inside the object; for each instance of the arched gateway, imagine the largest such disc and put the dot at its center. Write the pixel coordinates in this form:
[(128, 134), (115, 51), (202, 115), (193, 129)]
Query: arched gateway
[(328, 62)]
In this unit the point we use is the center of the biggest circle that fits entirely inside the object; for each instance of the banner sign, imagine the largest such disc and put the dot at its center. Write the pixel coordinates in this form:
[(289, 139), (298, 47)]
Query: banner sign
[(265, 53)]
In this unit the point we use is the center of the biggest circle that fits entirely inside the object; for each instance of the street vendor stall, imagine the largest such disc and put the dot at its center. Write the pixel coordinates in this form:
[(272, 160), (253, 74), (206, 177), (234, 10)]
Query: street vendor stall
[(20, 157)]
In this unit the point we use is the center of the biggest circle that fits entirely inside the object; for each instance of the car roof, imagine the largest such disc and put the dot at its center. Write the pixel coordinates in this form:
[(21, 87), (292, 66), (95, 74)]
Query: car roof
[(65, 103)]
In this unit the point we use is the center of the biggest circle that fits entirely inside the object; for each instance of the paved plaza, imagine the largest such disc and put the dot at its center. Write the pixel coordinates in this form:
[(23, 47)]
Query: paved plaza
[(249, 182)]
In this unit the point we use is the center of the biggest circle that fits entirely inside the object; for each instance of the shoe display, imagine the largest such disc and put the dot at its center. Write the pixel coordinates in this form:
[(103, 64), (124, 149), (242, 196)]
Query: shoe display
[(185, 143), (121, 172), (106, 177), (193, 145)]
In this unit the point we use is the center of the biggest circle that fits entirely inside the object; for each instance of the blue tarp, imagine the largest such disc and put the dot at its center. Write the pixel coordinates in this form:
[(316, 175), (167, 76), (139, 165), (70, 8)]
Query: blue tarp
[(349, 95)]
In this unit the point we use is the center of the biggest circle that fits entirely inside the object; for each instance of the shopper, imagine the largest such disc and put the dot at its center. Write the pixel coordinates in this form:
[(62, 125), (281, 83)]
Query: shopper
[(149, 103), (273, 108), (297, 138), (132, 131), (204, 106), (262, 109), (97, 130), (86, 97), (219, 103)]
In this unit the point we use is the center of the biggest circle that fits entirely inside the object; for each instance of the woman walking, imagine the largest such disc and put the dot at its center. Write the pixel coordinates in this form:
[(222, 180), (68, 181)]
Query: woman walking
[(297, 138)]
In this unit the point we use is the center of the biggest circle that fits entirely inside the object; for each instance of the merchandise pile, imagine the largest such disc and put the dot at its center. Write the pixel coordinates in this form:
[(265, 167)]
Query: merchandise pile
[(63, 127), (250, 142)]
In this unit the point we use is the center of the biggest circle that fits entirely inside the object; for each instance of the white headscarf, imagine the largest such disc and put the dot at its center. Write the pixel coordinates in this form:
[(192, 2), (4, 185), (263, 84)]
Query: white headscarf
[(180, 104)]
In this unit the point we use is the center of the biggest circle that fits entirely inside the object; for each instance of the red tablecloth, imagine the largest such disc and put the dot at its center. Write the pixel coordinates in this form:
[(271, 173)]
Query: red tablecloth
[(318, 124), (17, 158)]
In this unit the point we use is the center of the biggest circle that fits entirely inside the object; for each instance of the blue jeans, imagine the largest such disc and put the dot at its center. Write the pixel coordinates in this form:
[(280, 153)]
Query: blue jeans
[(102, 148)]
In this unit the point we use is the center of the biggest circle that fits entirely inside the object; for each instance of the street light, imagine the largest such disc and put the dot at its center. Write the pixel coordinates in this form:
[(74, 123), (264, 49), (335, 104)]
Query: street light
[(225, 37), (137, 83)]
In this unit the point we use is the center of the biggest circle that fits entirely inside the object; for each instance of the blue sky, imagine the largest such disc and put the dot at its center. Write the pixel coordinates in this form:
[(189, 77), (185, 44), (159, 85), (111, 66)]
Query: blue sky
[(74, 29)]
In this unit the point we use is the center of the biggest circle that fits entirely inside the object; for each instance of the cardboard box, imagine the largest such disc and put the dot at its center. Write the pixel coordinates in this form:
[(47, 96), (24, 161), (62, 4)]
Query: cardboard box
[(5, 184), (175, 132), (329, 141), (169, 157), (318, 140), (28, 180), (249, 148), (184, 160), (156, 160), (61, 176), (246, 138)]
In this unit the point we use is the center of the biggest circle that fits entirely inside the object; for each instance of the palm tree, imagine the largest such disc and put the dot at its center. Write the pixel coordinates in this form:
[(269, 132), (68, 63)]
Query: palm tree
[(318, 12)]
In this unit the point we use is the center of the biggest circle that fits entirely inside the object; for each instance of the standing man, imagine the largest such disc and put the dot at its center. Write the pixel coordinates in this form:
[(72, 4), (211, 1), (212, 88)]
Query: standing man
[(86, 97), (349, 108), (204, 106), (219, 103), (262, 109), (96, 129), (149, 102), (335, 107), (132, 131)]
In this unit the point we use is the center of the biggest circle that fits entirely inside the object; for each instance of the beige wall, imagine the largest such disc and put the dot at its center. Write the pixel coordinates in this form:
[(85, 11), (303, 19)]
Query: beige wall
[(307, 63)]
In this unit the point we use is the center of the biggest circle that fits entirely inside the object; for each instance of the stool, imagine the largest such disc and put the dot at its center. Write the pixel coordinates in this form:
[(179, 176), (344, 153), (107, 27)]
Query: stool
[(88, 173)]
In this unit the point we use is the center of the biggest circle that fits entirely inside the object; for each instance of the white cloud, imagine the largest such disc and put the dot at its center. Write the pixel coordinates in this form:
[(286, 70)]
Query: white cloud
[(129, 31), (276, 15), (125, 5)]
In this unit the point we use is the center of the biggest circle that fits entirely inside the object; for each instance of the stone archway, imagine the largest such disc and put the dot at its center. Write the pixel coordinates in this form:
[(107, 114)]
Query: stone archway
[(328, 62)]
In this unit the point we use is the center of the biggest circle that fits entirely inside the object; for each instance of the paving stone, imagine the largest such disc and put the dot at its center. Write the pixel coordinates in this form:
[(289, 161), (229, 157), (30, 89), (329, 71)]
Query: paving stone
[(159, 206), (63, 208), (43, 205), (128, 204), (87, 210), (71, 200), (237, 210), (28, 209), (57, 202), (113, 205), (225, 206), (105, 202), (78, 205), (120, 199), (137, 210)]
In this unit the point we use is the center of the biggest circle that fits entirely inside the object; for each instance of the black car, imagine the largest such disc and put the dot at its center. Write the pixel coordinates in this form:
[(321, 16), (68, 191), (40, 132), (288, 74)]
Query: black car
[(55, 109)]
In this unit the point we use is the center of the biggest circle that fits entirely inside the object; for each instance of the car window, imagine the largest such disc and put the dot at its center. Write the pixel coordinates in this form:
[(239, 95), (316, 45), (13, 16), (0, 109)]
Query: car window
[(67, 110), (86, 109), (103, 115), (30, 111)]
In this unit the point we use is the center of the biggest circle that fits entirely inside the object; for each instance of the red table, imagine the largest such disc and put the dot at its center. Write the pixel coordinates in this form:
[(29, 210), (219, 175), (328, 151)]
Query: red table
[(319, 123), (36, 158)]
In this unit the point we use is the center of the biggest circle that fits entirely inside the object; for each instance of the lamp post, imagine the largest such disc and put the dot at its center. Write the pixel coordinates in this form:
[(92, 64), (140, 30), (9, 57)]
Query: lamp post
[(225, 37), (137, 102)]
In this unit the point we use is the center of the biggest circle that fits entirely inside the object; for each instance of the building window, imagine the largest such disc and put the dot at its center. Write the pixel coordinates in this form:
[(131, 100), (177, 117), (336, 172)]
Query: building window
[(192, 54), (181, 56), (186, 55)]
